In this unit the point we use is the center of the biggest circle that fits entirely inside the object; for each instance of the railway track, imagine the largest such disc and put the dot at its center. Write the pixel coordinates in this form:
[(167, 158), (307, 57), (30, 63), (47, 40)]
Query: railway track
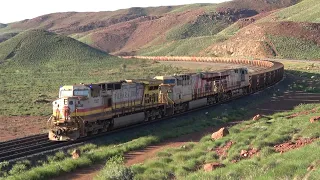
[(19, 148), (23, 146), (22, 141)]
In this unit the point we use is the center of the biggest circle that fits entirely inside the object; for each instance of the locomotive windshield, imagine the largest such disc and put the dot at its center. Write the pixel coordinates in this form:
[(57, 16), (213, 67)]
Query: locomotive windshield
[(81, 92), (65, 93)]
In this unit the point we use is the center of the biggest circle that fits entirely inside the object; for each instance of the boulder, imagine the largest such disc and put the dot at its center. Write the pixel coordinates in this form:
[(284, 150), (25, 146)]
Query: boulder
[(212, 166), (310, 168), (314, 119), (219, 134), (244, 153), (257, 117), (76, 154)]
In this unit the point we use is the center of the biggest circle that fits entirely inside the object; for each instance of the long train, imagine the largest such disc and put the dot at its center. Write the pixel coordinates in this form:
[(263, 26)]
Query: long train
[(85, 109)]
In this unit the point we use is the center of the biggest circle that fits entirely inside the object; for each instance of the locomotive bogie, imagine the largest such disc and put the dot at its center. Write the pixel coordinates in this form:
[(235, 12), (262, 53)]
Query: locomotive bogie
[(69, 136)]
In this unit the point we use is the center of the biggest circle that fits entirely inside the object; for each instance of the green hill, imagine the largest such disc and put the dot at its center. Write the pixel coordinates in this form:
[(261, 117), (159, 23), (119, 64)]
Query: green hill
[(39, 46), (305, 11)]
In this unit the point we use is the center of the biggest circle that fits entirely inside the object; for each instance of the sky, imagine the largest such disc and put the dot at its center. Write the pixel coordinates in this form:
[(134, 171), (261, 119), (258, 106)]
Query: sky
[(17, 10)]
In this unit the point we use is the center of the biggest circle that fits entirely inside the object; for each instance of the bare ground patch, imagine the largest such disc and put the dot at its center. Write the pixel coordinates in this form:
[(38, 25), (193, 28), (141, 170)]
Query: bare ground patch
[(287, 146), (12, 127)]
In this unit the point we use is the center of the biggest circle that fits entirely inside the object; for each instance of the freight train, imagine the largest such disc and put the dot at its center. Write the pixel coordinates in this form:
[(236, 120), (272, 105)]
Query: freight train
[(85, 109)]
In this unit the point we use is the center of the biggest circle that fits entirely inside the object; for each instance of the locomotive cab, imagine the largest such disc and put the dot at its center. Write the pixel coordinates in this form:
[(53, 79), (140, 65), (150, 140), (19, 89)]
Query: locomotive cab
[(64, 116), (69, 97)]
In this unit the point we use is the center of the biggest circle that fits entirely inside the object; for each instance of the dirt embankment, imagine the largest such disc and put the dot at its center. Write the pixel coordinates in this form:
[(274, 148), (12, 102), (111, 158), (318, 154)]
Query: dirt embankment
[(253, 40)]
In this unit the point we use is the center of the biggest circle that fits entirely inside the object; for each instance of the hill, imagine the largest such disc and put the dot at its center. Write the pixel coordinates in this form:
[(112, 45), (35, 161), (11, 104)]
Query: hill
[(128, 31), (263, 35), (272, 39), (76, 22), (286, 33), (258, 5), (6, 36), (39, 46), (305, 11)]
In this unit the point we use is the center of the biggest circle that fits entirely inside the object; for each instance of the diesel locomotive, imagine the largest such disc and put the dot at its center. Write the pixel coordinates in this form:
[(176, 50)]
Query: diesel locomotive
[(85, 109)]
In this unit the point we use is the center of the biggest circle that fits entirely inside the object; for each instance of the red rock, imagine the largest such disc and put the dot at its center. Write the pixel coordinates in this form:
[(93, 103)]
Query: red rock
[(212, 166), (76, 154), (222, 151), (257, 117), (219, 134), (314, 119)]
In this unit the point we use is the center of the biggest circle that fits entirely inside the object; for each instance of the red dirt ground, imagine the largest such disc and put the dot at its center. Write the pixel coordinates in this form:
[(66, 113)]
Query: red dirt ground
[(222, 151), (287, 146), (20, 126)]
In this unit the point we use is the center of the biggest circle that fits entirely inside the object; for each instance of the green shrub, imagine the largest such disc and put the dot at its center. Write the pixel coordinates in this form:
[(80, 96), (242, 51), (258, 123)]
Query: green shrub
[(18, 168), (115, 170)]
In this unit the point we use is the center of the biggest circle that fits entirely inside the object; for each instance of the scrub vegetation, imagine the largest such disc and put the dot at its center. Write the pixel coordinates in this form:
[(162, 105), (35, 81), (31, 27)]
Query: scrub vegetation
[(186, 162), (295, 48)]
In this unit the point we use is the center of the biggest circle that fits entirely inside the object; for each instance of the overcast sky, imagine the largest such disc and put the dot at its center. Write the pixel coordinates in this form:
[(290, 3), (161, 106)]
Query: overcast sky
[(16, 10)]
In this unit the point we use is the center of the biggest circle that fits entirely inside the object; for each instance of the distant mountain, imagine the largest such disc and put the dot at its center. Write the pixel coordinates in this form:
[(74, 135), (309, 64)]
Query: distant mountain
[(39, 46), (77, 22), (246, 28)]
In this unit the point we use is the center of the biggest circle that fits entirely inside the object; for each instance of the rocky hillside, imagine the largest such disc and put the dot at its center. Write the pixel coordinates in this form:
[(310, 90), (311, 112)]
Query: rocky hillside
[(258, 5), (292, 32)]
